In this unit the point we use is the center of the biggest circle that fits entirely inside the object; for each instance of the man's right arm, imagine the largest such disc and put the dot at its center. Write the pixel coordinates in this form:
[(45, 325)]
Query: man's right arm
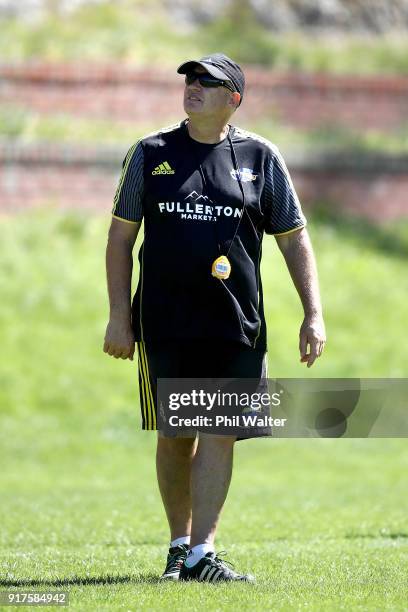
[(119, 337)]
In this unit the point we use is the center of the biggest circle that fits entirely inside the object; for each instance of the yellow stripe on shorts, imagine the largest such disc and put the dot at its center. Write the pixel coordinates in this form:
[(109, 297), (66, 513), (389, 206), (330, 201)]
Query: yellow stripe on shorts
[(148, 408), (142, 387)]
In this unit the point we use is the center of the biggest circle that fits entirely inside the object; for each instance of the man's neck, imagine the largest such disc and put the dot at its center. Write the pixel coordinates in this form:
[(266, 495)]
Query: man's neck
[(208, 134)]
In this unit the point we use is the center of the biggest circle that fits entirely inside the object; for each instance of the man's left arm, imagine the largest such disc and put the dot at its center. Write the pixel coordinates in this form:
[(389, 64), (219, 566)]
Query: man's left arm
[(297, 250)]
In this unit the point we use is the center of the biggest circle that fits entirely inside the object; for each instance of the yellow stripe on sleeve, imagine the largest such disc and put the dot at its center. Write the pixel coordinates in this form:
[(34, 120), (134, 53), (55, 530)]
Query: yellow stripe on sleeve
[(122, 176), (125, 220), (295, 229)]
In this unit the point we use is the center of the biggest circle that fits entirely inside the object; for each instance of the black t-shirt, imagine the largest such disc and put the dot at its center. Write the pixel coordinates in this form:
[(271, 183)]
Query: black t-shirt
[(191, 202)]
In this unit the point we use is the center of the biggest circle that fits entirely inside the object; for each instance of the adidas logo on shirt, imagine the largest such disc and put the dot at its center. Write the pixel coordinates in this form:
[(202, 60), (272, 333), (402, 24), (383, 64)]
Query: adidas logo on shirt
[(163, 168)]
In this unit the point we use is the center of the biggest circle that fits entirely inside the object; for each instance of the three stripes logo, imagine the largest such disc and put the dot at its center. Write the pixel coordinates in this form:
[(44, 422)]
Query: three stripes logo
[(163, 168), (210, 574)]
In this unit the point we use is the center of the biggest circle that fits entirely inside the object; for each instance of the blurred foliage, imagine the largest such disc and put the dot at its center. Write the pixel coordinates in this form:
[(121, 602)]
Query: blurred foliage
[(333, 137), (135, 31), (139, 31), (391, 239), (30, 126)]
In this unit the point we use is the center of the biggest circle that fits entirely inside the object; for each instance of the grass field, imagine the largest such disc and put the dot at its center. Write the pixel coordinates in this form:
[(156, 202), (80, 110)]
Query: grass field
[(322, 523)]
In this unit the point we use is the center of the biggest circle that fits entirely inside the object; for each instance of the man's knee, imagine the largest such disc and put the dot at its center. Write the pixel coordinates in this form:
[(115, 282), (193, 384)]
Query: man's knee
[(218, 443), (182, 447)]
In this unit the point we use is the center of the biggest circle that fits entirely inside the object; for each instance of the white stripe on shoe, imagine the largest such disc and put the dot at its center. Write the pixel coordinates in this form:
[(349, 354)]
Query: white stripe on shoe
[(210, 574), (216, 575), (203, 573)]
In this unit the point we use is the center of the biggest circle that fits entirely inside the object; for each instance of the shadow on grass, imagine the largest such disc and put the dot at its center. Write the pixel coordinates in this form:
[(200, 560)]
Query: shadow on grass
[(376, 536), (80, 581), (390, 238)]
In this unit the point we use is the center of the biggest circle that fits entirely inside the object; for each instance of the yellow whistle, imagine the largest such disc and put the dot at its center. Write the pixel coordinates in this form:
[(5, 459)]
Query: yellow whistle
[(221, 268)]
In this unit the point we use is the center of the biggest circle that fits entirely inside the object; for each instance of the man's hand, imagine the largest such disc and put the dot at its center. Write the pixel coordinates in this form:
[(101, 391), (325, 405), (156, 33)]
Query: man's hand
[(312, 333), (119, 339)]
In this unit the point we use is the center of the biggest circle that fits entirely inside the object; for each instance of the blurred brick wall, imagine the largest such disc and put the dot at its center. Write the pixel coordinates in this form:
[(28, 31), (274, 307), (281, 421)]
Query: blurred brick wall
[(121, 92), (85, 178)]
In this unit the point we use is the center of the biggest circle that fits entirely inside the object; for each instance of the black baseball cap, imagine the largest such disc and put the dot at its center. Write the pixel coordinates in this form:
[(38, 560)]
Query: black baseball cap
[(219, 66)]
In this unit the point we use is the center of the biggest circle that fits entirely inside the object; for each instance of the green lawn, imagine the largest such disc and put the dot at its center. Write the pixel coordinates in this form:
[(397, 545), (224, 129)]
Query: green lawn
[(322, 523)]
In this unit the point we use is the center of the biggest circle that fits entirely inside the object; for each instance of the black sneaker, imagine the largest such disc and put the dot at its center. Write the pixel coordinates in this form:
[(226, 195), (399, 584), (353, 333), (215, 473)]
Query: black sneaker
[(212, 569), (175, 560)]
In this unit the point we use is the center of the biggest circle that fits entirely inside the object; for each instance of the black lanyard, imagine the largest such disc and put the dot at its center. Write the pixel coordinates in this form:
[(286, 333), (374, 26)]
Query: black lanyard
[(207, 191)]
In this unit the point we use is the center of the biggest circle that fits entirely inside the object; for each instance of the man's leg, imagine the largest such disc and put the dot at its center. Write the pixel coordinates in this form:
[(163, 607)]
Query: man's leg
[(210, 480), (211, 476), (173, 462)]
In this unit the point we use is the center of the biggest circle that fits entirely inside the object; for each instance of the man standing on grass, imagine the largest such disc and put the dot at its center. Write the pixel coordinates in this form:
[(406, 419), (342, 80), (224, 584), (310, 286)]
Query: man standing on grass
[(207, 192)]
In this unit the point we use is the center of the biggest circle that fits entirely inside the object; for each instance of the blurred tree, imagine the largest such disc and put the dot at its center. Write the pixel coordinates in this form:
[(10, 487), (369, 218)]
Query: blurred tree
[(239, 12), (52, 7), (241, 35)]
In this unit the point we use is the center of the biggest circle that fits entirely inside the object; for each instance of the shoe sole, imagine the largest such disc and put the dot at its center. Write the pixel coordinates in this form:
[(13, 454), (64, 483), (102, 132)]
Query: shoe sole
[(251, 580), (170, 577)]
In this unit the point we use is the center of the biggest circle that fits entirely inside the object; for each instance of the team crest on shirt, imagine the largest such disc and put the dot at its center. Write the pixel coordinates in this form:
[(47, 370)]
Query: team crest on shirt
[(245, 174)]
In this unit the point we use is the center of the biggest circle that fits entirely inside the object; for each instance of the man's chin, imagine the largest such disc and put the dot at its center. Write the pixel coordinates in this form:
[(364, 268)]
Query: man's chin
[(193, 108)]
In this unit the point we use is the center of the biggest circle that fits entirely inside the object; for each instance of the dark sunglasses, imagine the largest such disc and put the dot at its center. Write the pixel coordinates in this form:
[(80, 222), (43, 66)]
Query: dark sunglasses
[(206, 80)]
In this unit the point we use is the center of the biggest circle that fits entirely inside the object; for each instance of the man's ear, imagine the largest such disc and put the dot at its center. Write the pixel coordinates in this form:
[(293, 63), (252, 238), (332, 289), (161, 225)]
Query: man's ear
[(235, 99)]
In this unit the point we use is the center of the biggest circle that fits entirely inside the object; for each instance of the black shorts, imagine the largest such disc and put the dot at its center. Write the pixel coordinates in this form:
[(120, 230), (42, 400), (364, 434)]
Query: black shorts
[(195, 359)]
